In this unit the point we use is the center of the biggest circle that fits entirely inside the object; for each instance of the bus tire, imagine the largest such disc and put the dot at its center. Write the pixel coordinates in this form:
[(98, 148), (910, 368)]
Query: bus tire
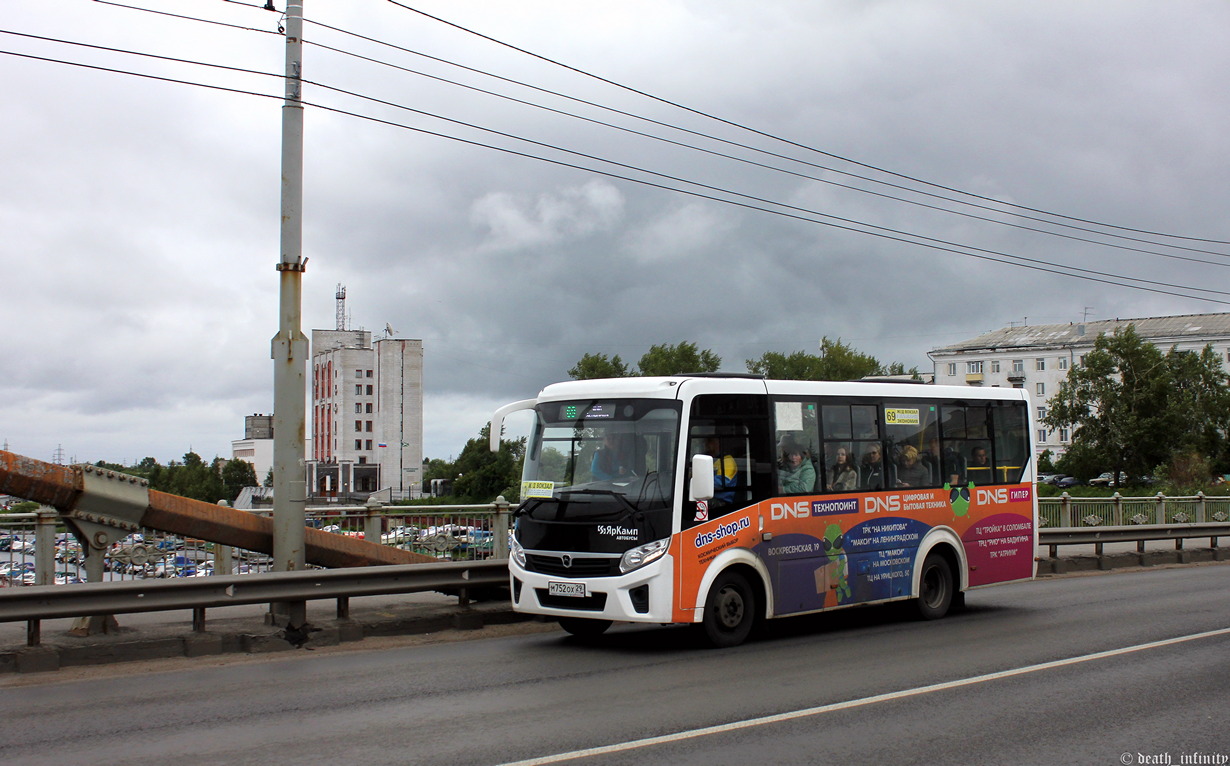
[(936, 590), (583, 627), (730, 610)]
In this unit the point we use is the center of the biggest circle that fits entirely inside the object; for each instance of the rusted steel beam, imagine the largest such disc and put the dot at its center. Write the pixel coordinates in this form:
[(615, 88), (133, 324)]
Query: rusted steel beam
[(31, 479), (62, 488)]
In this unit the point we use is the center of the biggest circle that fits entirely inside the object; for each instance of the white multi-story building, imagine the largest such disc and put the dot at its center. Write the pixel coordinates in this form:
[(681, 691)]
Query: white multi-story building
[(367, 414), (256, 446), (1038, 357)]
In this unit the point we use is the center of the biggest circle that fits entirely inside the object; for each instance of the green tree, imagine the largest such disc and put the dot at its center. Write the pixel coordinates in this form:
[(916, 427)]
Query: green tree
[(797, 366), (236, 474), (437, 468), (1186, 473), (836, 361), (1199, 404), (1046, 462), (677, 360), (592, 366), (1133, 408), (1082, 460), (482, 475)]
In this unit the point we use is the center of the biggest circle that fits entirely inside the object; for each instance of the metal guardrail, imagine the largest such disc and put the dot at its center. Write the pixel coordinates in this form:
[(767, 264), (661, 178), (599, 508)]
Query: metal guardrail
[(1138, 533), (42, 602)]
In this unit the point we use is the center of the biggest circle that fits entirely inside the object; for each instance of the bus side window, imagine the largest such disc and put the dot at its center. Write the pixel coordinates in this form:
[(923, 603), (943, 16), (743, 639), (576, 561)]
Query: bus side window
[(1011, 441), (796, 428), (737, 428)]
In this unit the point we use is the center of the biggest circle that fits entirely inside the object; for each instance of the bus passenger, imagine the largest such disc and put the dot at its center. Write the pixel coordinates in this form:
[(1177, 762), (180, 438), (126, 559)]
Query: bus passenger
[(795, 472), (979, 467), (873, 469), (910, 472), (725, 472), (845, 475), (947, 467)]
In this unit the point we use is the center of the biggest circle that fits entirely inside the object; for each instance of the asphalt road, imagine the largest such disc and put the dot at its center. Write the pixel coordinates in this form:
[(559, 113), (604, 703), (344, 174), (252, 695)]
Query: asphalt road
[(1125, 667)]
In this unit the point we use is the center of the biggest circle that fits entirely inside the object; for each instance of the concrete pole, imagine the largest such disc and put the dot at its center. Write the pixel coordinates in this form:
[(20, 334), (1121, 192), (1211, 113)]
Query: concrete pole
[(45, 546), (290, 345)]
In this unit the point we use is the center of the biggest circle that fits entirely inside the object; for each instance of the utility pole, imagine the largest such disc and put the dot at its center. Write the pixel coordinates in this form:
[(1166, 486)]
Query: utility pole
[(290, 345)]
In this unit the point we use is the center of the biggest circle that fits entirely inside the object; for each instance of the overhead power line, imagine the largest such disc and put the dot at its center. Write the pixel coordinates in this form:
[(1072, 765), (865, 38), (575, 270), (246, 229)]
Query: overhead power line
[(796, 144), (845, 225), (189, 18), (728, 142), (797, 174)]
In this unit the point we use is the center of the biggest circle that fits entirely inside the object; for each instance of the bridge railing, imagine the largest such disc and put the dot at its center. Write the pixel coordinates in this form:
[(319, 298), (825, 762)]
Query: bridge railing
[(1118, 511), (443, 530), (37, 549)]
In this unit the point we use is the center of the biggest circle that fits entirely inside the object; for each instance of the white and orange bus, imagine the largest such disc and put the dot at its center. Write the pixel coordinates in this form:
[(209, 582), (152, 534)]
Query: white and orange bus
[(726, 499)]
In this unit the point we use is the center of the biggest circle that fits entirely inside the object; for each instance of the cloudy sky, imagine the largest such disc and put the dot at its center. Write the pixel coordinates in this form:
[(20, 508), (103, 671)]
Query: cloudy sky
[(515, 214)]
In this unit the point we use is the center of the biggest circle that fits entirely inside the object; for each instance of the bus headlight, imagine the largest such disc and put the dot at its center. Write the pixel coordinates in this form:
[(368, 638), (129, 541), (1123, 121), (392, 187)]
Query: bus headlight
[(643, 554), (515, 551)]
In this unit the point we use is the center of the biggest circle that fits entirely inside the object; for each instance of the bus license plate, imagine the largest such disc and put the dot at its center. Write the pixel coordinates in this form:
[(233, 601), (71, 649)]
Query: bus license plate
[(573, 589)]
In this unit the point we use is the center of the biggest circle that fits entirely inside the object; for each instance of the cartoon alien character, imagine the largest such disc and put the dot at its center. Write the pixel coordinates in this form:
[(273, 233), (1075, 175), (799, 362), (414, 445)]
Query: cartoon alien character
[(834, 542), (959, 498)]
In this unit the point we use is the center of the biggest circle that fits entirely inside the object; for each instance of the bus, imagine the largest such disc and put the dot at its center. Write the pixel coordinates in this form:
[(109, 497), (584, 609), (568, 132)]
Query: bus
[(723, 500)]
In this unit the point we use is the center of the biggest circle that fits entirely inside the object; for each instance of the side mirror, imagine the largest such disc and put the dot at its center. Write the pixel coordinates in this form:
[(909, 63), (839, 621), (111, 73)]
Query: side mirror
[(701, 485)]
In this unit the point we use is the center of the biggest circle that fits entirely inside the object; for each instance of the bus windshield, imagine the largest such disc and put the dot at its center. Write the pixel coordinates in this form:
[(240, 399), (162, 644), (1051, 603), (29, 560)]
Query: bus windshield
[(602, 457)]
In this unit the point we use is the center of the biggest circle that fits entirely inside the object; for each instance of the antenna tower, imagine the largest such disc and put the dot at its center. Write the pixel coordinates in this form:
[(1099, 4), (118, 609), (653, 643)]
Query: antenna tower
[(341, 307)]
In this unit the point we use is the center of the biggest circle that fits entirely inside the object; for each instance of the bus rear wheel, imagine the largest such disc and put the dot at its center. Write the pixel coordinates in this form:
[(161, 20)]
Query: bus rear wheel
[(936, 590), (582, 627), (730, 610)]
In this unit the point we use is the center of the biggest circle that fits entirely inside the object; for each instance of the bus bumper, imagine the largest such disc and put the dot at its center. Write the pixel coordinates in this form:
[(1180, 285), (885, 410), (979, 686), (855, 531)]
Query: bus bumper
[(643, 595)]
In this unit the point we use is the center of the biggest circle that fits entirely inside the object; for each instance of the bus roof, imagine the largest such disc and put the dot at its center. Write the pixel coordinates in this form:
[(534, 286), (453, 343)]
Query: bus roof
[(670, 387)]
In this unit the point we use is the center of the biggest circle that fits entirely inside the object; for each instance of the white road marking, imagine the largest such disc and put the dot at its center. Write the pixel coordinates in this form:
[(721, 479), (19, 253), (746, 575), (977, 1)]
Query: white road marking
[(813, 711)]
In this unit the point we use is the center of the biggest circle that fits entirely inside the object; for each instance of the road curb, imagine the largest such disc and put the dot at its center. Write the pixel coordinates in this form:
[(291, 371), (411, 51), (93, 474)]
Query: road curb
[(127, 646), (1130, 560)]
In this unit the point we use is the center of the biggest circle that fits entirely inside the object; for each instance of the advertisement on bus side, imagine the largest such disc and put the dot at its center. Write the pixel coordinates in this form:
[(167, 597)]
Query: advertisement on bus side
[(822, 552)]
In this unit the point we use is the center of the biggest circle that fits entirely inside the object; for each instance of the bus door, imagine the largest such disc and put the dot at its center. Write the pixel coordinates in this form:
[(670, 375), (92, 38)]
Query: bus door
[(734, 430)]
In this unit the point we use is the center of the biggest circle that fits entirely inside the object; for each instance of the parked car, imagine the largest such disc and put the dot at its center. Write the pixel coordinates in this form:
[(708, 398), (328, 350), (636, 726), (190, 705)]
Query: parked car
[(1068, 481), (1104, 480), (177, 566), (399, 535)]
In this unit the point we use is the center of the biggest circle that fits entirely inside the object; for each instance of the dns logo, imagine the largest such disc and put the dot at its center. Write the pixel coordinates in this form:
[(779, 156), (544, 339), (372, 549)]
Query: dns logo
[(990, 496), (890, 504), (799, 510)]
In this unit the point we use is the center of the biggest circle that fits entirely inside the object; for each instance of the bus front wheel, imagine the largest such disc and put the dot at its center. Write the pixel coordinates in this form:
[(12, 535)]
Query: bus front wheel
[(582, 627), (730, 610), (936, 590)]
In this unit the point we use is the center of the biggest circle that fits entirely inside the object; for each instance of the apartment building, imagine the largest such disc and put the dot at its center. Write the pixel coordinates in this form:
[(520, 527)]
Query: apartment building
[(1037, 357), (367, 414)]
